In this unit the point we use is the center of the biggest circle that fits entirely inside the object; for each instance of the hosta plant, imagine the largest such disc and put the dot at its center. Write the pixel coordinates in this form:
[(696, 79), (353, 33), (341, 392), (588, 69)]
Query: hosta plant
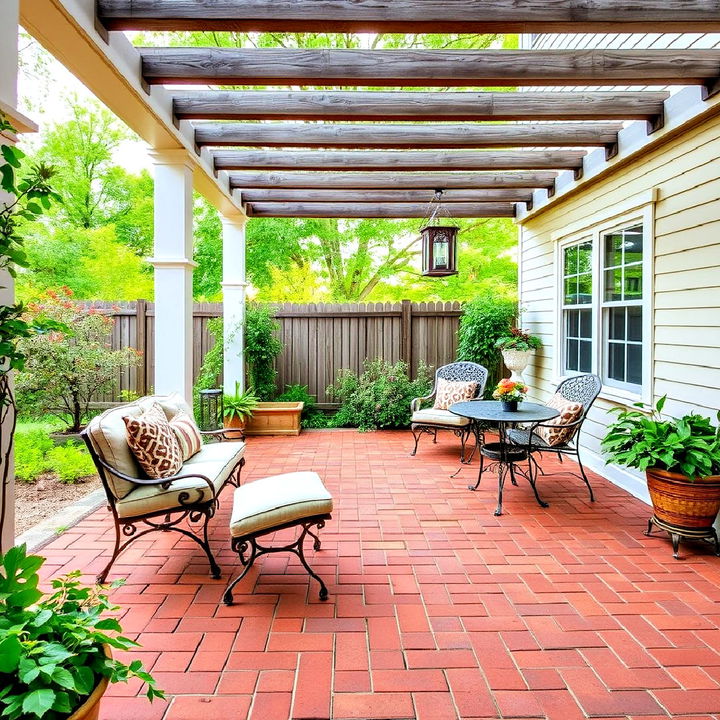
[(52, 646), (517, 339)]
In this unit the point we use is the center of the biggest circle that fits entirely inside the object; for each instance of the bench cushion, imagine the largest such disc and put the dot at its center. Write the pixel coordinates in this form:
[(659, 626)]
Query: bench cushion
[(214, 465), (277, 500), (433, 416)]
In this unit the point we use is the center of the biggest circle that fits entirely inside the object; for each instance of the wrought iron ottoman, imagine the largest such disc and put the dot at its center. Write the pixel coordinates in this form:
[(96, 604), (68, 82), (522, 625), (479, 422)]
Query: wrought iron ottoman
[(275, 503)]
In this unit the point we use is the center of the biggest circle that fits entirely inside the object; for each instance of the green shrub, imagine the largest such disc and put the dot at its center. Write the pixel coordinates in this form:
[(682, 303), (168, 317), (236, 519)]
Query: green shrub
[(484, 321), (70, 462), (31, 449), (312, 416), (378, 398), (261, 349)]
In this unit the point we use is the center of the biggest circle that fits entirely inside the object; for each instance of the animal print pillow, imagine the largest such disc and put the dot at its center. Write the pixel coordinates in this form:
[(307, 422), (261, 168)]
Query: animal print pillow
[(557, 432), (453, 391), (153, 443)]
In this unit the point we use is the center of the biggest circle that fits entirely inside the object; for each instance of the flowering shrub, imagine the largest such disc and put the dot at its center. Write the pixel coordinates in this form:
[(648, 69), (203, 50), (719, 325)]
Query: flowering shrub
[(65, 370), (518, 339), (509, 390)]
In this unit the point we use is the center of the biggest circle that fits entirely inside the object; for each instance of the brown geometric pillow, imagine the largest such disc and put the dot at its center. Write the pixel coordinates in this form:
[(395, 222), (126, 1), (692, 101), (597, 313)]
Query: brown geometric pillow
[(187, 434), (453, 391), (557, 433), (153, 443)]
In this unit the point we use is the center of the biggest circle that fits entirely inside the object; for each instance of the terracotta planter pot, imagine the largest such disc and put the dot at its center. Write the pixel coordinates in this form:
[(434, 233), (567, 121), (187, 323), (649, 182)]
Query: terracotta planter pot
[(683, 504), (235, 423), (275, 418), (90, 709)]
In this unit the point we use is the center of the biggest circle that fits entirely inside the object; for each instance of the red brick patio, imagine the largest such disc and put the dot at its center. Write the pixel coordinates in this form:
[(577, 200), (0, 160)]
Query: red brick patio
[(437, 609)]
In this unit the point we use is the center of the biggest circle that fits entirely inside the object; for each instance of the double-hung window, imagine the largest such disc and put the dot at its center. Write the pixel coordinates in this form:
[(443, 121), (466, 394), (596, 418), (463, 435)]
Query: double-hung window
[(603, 307)]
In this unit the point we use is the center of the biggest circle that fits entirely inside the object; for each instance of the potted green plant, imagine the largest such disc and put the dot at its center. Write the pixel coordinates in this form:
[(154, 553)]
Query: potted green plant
[(238, 408), (510, 393), (55, 649), (681, 461), (518, 348)]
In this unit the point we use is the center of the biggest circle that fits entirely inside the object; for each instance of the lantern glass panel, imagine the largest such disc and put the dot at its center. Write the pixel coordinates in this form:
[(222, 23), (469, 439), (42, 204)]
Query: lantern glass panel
[(210, 409)]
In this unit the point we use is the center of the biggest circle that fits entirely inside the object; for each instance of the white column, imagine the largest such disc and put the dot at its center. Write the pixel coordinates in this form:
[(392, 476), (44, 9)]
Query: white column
[(173, 272), (8, 100), (234, 285)]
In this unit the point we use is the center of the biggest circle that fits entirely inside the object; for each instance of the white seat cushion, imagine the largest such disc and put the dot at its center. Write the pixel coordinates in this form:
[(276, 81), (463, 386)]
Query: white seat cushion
[(215, 466), (278, 500), (433, 416)]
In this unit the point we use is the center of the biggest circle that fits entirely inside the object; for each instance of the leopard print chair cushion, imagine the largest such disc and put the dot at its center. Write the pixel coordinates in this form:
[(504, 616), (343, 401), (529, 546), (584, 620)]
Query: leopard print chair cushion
[(154, 443), (554, 432), (450, 392)]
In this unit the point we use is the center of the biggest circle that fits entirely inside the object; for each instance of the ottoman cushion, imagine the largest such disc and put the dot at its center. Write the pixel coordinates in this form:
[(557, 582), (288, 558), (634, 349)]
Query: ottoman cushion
[(277, 500)]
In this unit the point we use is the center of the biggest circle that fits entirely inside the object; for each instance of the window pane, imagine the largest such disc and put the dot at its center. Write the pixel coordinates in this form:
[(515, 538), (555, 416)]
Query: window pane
[(585, 258), (634, 364), (634, 323), (613, 284), (617, 323), (584, 290), (585, 323), (633, 244), (571, 290), (571, 260), (616, 361), (571, 324), (585, 363), (571, 359), (613, 249), (633, 282)]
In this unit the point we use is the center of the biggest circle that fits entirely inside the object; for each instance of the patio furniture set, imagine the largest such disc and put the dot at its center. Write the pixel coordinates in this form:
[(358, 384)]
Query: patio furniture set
[(523, 435)]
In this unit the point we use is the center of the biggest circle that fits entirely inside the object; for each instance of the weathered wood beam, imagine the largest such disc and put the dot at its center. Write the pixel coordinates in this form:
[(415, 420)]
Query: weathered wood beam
[(370, 210), (386, 106), (414, 16), (427, 68), (406, 136), (391, 181), (383, 196), (400, 160)]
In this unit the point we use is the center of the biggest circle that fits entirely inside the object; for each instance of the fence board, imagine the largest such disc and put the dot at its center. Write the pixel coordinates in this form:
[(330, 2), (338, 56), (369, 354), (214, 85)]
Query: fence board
[(318, 339)]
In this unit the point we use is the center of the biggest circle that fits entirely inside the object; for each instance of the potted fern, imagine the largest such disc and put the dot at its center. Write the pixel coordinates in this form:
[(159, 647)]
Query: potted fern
[(56, 648), (681, 461)]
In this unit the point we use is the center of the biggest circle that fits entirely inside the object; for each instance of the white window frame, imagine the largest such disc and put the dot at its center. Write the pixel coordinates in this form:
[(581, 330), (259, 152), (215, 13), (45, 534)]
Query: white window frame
[(638, 210)]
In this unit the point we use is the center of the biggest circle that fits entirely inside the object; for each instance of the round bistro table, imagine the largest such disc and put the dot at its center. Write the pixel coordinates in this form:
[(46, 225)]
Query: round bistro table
[(503, 455)]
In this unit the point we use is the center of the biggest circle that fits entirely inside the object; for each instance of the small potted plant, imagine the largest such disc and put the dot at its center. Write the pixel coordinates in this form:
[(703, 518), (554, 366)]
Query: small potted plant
[(518, 347), (681, 461), (510, 392), (238, 408), (55, 648)]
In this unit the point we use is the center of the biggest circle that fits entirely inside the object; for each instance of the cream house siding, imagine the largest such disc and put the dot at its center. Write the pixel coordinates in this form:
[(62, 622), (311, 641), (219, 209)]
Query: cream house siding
[(684, 174)]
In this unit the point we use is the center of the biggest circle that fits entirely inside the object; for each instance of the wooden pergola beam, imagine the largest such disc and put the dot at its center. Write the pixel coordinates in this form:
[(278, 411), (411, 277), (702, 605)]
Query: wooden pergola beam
[(370, 210), (389, 106), (391, 181), (276, 195), (413, 16), (427, 68), (406, 136), (370, 160)]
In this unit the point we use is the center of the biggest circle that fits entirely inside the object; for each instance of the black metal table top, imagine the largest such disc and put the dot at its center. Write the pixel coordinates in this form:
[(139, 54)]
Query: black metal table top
[(491, 410)]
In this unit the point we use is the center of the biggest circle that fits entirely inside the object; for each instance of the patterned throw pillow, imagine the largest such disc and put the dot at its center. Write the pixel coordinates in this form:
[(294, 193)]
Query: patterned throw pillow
[(557, 433), (153, 443), (187, 434), (450, 392)]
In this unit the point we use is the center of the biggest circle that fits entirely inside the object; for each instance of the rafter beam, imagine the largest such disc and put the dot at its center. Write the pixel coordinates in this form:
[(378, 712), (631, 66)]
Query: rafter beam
[(414, 16), (388, 106), (406, 136), (392, 181), (400, 160), (427, 68), (370, 210), (383, 196)]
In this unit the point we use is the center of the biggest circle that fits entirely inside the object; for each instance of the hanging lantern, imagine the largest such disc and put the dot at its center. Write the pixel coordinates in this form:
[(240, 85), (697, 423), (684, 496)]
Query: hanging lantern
[(439, 241)]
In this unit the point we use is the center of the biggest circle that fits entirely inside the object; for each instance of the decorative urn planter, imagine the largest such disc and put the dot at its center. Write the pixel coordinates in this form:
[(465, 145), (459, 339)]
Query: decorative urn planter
[(516, 361), (275, 418)]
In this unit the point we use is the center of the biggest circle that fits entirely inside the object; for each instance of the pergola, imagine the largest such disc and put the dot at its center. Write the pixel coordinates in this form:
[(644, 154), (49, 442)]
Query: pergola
[(340, 153)]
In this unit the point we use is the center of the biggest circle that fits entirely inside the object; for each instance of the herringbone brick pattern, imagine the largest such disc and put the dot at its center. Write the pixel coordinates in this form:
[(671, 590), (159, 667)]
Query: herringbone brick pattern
[(437, 609)]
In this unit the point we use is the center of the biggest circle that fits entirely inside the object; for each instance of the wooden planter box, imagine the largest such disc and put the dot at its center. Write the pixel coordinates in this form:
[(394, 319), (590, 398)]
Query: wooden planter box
[(275, 418)]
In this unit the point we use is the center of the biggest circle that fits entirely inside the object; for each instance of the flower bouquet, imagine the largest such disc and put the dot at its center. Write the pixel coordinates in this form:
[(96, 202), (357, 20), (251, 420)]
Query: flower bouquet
[(510, 393)]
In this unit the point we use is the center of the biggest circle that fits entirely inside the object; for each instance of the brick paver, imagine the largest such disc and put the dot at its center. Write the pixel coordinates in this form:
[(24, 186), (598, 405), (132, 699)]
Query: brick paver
[(437, 608)]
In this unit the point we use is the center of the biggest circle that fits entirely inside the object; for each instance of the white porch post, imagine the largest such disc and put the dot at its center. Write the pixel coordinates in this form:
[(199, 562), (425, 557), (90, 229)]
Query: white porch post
[(173, 272), (234, 285)]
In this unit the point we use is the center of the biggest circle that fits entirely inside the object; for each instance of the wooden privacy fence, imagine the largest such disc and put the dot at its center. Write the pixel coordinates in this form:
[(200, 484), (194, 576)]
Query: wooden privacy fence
[(318, 339)]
